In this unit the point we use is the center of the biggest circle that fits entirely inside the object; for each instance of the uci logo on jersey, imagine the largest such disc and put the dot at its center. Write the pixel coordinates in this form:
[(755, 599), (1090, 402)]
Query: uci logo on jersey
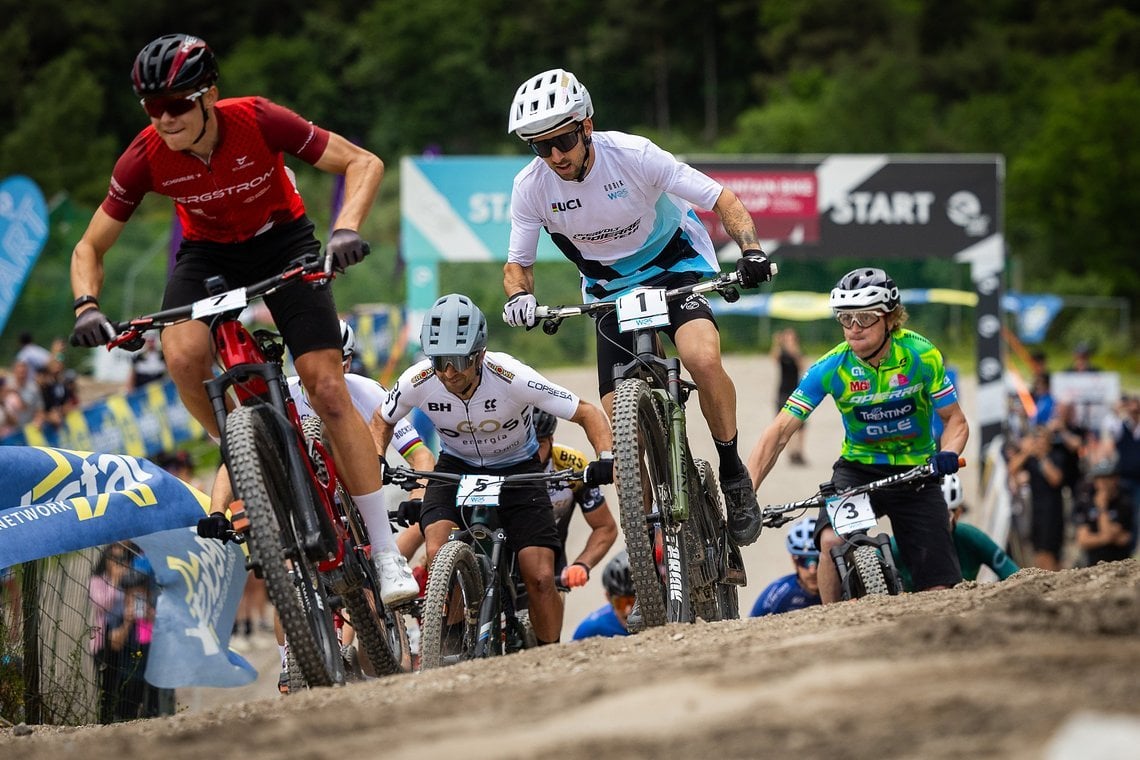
[(570, 205)]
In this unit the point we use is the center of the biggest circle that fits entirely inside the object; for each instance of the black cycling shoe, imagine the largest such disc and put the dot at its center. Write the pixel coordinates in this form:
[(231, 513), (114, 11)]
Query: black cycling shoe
[(743, 511)]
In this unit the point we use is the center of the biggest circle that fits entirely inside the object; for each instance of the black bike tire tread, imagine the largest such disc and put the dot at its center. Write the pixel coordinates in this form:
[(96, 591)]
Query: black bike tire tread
[(244, 457), (453, 560), (725, 603), (869, 568), (628, 397), (374, 636)]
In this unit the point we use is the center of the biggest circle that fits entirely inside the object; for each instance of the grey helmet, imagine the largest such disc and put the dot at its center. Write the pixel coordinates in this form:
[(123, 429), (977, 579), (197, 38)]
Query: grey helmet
[(454, 326), (617, 577), (864, 289), (544, 423)]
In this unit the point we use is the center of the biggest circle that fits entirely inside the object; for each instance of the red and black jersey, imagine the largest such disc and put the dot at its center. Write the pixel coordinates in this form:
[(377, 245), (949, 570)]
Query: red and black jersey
[(244, 188)]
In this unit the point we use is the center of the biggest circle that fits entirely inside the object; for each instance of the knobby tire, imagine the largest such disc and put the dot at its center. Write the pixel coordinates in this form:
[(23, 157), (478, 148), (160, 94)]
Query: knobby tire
[(640, 449), (454, 576), (711, 598), (256, 457), (868, 568)]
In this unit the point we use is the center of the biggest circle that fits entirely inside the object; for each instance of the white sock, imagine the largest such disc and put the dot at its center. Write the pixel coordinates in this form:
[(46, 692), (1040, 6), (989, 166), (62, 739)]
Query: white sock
[(375, 513), (281, 649)]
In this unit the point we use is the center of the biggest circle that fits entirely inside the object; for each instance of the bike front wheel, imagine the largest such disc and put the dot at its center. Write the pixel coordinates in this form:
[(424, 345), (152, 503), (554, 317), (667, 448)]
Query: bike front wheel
[(868, 570), (711, 595), (257, 453), (644, 490), (451, 607)]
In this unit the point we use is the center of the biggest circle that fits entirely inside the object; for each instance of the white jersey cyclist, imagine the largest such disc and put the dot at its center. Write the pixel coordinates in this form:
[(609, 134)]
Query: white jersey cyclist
[(616, 224), (367, 396), (493, 427)]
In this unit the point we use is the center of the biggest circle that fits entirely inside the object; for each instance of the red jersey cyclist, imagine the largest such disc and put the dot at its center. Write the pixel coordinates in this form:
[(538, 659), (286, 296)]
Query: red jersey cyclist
[(222, 163)]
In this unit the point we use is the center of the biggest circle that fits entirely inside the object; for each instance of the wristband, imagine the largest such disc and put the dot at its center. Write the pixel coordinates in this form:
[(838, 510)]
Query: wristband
[(747, 251), (585, 567), (83, 301), (607, 454)]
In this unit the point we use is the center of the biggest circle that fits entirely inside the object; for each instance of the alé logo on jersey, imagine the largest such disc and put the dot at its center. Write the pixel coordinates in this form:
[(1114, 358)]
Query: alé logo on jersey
[(570, 205)]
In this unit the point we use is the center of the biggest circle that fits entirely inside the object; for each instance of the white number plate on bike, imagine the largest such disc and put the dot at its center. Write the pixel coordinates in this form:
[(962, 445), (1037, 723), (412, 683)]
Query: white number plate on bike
[(641, 308), (851, 513), (479, 491), (229, 301)]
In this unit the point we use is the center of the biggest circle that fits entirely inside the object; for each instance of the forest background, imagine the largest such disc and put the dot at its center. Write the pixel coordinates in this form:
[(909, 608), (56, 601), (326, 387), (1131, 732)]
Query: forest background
[(1053, 86)]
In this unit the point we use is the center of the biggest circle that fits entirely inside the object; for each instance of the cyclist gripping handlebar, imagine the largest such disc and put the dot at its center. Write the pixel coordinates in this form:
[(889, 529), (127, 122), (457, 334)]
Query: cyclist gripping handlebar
[(243, 220), (620, 208), (887, 383)]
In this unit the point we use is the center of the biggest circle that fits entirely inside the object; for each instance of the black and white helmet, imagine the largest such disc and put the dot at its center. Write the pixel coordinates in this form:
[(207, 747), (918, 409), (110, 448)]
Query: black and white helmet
[(866, 289), (454, 326), (347, 340), (617, 578), (952, 491), (546, 102), (544, 423)]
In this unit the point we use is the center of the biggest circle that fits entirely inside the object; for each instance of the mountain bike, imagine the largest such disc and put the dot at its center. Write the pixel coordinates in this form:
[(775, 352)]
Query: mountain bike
[(669, 502), (865, 563), (306, 537), (472, 607)]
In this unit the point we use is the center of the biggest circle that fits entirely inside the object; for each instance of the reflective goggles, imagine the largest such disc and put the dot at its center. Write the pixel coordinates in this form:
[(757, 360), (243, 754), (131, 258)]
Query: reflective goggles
[(461, 362), (155, 107), (807, 562), (565, 143), (862, 318)]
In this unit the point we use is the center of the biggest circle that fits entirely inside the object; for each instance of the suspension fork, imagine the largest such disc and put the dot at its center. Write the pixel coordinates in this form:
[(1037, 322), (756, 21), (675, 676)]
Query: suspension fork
[(675, 427), (489, 616)]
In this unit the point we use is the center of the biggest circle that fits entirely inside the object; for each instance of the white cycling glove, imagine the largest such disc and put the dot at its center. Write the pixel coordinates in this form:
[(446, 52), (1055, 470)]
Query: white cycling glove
[(519, 310)]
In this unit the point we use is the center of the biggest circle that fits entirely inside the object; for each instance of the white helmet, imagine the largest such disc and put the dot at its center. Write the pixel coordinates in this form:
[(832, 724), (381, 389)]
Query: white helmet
[(952, 491), (347, 340), (866, 289), (548, 101)]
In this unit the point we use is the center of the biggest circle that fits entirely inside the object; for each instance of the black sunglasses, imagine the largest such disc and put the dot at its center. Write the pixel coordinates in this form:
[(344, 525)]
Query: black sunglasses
[(565, 143)]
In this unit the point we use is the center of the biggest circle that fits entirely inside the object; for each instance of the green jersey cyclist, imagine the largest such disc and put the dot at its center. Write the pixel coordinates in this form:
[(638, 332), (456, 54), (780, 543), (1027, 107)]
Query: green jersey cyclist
[(887, 383)]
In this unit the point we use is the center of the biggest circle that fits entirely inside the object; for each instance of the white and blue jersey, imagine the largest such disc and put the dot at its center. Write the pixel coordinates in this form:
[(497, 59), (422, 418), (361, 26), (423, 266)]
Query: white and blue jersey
[(628, 223), (783, 595)]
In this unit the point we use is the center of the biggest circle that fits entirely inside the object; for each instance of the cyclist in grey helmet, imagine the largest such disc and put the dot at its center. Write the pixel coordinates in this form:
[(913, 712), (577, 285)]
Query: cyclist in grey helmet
[(481, 403), (611, 620)]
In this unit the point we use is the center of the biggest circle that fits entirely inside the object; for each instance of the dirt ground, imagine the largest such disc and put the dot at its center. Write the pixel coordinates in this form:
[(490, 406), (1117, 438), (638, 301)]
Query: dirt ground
[(1041, 665)]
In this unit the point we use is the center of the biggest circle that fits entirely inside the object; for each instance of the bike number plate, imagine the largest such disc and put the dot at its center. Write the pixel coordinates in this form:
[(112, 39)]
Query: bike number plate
[(231, 300), (851, 513), (479, 491), (642, 308)]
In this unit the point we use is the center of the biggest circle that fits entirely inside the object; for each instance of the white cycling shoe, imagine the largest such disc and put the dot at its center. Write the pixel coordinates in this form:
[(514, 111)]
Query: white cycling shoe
[(397, 584)]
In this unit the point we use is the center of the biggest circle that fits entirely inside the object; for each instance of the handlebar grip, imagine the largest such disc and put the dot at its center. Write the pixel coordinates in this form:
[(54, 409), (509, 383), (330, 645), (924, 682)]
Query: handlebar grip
[(775, 268)]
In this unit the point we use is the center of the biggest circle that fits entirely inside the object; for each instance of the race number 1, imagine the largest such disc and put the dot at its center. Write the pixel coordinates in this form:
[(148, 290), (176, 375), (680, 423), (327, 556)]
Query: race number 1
[(642, 307)]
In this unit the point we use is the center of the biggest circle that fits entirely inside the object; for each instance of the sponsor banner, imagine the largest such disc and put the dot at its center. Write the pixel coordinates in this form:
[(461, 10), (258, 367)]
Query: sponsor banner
[(23, 232), (58, 501), (201, 582), (142, 423)]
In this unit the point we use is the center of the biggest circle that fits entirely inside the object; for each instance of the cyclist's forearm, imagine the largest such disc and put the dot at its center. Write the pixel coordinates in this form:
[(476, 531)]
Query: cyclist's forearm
[(767, 450), (599, 542), (955, 433), (736, 220), (597, 428), (381, 432), (517, 278)]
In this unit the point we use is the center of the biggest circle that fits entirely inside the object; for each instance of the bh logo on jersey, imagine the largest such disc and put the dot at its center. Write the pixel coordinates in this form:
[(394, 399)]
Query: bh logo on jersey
[(898, 381)]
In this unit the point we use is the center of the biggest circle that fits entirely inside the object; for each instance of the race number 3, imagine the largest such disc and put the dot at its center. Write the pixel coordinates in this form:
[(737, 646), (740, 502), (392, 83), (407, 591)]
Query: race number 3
[(851, 513)]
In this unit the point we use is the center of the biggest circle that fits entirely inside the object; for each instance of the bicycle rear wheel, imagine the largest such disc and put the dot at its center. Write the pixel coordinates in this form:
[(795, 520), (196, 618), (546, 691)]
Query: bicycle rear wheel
[(382, 632), (257, 451), (643, 482), (711, 596), (451, 606)]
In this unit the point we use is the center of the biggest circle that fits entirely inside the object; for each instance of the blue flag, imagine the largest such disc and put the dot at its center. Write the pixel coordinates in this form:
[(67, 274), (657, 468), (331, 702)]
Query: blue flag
[(23, 232), (201, 582), (56, 501)]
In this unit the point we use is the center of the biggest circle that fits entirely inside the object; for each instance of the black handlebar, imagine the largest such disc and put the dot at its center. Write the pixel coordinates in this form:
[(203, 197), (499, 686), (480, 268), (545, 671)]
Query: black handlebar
[(725, 284)]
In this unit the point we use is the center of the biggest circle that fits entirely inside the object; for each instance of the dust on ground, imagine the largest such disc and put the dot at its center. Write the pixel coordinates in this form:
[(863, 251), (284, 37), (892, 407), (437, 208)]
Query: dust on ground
[(1040, 665)]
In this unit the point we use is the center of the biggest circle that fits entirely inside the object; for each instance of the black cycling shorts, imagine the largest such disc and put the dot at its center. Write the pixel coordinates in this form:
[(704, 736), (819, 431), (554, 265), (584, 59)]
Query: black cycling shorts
[(305, 316), (919, 519), (525, 512), (618, 348)]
